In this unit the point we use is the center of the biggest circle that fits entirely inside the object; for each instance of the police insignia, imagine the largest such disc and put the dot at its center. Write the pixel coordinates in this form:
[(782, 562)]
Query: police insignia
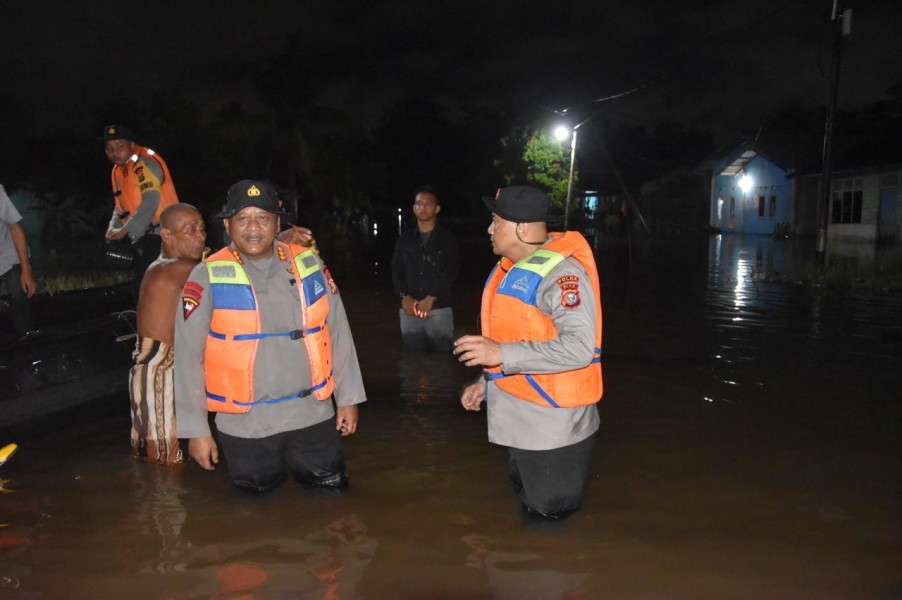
[(191, 297), (188, 306), (569, 285), (332, 285)]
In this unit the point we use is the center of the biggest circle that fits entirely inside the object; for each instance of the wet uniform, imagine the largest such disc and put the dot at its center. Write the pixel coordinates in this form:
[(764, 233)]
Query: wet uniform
[(281, 368), (552, 481)]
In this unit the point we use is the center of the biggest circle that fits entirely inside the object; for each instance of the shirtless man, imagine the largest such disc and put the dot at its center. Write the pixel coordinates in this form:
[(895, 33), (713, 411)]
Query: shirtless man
[(183, 238)]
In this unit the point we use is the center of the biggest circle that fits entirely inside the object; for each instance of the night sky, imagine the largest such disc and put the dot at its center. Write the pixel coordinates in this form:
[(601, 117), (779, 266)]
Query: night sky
[(709, 64)]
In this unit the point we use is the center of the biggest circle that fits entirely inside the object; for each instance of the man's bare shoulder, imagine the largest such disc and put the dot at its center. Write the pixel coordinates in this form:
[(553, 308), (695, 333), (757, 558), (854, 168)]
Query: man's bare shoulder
[(170, 270)]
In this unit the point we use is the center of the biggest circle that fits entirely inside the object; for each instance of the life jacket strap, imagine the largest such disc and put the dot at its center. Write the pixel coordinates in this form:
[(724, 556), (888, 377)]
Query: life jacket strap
[(301, 394), (295, 334)]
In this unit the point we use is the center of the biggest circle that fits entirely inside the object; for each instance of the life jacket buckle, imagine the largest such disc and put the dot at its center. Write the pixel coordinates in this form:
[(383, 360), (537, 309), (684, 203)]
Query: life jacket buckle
[(296, 334)]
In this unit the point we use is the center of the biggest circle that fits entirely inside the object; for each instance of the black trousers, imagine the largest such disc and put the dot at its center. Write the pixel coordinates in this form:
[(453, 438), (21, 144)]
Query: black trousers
[(311, 455), (551, 483)]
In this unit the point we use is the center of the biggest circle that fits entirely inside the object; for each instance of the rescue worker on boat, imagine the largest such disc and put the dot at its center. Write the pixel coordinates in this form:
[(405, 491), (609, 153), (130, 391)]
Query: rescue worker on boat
[(540, 350), (142, 190), (262, 340)]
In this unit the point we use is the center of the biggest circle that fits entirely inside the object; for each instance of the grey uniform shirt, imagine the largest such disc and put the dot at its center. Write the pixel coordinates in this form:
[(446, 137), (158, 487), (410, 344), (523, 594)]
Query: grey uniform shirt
[(281, 366), (8, 216), (520, 424)]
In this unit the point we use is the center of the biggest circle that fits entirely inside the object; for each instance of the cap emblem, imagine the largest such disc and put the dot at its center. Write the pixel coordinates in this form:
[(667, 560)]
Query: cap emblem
[(253, 191)]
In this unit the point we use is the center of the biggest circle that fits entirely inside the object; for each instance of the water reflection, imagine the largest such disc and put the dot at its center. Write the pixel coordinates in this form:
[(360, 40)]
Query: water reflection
[(744, 424)]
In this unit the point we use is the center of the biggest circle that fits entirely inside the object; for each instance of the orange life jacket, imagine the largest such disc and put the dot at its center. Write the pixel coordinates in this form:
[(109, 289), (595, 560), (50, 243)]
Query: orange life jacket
[(127, 180), (510, 314), (235, 330)]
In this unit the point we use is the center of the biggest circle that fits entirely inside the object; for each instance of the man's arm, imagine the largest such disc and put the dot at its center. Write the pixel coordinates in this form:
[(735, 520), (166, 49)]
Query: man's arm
[(574, 345), (21, 244), (192, 322), (150, 182), (349, 388)]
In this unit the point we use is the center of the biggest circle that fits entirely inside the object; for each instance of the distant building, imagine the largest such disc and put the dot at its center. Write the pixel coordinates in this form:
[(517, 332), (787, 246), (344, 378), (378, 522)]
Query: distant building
[(863, 204), (751, 193)]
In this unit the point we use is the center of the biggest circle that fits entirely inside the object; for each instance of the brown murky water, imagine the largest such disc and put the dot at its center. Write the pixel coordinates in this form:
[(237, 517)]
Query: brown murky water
[(749, 448)]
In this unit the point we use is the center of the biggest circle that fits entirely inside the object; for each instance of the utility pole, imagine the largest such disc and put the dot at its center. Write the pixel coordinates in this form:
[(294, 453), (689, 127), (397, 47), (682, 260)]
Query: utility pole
[(841, 23), (570, 180)]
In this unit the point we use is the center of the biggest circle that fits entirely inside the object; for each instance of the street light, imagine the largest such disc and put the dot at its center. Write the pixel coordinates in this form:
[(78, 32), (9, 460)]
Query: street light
[(561, 134)]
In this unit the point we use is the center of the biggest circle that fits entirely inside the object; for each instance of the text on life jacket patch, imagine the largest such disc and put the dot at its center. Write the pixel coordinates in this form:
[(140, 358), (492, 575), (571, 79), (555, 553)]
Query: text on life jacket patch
[(191, 297), (221, 271), (569, 285)]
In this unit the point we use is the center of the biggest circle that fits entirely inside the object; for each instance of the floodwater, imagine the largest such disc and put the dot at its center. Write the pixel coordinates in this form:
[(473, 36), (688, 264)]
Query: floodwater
[(749, 448)]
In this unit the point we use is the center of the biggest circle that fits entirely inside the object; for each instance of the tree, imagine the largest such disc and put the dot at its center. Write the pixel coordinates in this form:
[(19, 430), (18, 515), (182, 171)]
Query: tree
[(537, 158), (548, 166)]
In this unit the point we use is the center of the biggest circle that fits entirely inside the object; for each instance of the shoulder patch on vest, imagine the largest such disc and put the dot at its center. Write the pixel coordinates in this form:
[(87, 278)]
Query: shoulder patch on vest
[(332, 285), (188, 306), (191, 297), (569, 285)]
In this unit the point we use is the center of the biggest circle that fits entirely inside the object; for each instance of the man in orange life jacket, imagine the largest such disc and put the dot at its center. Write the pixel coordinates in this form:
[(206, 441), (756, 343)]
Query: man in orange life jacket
[(262, 340), (142, 189), (540, 350)]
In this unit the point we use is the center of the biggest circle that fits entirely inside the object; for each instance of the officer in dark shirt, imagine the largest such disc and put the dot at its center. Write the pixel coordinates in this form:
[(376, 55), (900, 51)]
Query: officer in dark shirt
[(424, 267)]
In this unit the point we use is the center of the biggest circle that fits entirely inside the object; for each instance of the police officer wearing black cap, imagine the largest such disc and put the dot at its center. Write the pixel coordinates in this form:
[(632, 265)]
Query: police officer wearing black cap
[(142, 190), (262, 340), (540, 351)]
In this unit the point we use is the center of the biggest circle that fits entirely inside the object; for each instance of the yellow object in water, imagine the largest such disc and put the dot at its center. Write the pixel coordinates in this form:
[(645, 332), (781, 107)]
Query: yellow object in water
[(6, 453)]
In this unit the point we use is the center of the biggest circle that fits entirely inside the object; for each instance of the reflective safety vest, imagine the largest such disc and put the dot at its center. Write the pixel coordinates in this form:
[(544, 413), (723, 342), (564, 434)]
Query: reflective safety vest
[(235, 330), (128, 179), (509, 314)]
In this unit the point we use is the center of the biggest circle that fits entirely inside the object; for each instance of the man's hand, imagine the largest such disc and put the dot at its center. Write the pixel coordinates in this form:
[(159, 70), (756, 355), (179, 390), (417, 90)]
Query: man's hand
[(346, 419), (409, 305), (424, 306), (115, 233), (300, 236), (478, 351), (204, 452), (26, 280), (471, 396)]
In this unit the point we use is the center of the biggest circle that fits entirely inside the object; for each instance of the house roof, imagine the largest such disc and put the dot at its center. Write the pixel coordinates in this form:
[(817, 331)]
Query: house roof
[(737, 165)]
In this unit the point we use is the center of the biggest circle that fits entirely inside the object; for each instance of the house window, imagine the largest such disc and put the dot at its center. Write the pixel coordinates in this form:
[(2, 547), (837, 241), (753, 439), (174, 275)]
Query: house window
[(772, 207), (732, 207), (760, 207), (846, 201)]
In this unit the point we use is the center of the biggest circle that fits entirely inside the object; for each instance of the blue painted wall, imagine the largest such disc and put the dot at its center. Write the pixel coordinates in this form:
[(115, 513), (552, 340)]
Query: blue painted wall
[(768, 180)]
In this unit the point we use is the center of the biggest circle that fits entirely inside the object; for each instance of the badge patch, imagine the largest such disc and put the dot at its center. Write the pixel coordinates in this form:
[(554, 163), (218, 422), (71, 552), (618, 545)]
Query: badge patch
[(191, 297), (569, 285), (332, 285), (188, 306)]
